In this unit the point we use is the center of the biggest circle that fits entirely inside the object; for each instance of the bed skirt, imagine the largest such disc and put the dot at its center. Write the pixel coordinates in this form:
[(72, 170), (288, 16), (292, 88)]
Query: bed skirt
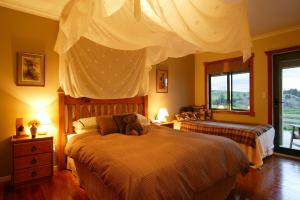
[(96, 189)]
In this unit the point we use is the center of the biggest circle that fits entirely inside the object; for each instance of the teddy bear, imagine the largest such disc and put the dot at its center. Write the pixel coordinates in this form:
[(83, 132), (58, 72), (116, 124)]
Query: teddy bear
[(133, 126)]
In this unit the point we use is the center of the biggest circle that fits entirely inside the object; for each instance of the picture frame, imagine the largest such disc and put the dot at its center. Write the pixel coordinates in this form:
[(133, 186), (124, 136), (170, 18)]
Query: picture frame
[(30, 69), (162, 81)]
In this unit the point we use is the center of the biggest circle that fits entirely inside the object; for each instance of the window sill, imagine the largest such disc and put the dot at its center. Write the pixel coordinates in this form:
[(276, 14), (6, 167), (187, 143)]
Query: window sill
[(235, 112)]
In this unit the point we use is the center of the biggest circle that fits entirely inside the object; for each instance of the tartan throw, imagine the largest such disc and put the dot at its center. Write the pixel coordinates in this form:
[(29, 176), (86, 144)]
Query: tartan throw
[(240, 133)]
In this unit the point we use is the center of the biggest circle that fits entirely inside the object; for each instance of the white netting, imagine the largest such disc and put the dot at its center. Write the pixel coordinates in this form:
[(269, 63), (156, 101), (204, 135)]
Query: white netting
[(104, 44)]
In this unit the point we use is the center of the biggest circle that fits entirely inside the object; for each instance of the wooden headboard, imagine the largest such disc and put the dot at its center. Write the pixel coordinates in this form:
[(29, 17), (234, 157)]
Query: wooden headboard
[(71, 109)]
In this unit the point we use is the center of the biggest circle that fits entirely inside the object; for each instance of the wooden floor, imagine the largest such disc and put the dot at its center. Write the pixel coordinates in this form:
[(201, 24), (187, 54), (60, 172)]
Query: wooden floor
[(279, 179), (63, 186)]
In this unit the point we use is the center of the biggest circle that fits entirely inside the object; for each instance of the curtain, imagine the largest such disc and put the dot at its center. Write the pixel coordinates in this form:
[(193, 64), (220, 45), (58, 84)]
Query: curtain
[(227, 65)]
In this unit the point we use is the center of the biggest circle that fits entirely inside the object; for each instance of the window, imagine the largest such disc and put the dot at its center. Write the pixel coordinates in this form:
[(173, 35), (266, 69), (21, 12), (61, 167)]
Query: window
[(218, 92), (229, 85), (240, 91)]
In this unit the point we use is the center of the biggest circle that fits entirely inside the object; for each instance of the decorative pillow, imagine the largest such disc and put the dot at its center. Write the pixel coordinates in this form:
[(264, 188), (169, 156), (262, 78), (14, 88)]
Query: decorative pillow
[(145, 130), (107, 124), (133, 126), (143, 120), (201, 115), (121, 124), (186, 116), (179, 117), (192, 115), (208, 115)]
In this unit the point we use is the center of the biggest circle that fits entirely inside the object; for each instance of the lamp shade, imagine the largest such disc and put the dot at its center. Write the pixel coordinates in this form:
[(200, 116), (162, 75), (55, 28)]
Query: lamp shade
[(45, 123), (43, 118), (162, 114)]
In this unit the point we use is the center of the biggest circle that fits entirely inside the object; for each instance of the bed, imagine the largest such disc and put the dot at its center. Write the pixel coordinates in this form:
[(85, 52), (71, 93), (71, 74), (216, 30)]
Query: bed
[(256, 140), (162, 164)]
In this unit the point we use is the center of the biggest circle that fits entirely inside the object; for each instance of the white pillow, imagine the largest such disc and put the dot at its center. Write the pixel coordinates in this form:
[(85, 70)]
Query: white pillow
[(77, 125), (85, 123), (143, 120), (89, 122)]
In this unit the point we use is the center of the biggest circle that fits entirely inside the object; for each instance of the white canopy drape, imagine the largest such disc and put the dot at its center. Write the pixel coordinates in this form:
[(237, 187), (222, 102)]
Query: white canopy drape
[(104, 44)]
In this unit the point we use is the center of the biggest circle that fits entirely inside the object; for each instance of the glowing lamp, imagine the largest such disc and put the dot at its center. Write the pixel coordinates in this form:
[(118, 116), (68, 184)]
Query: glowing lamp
[(45, 123), (162, 115)]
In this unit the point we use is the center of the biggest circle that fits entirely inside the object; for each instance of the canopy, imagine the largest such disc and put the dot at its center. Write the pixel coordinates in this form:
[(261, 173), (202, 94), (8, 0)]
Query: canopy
[(108, 47)]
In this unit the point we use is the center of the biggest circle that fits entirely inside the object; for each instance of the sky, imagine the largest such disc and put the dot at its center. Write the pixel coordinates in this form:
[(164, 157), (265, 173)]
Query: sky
[(291, 78), (240, 82)]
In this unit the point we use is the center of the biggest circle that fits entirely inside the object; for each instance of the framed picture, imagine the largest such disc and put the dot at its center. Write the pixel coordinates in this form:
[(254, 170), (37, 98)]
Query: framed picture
[(31, 69), (162, 80)]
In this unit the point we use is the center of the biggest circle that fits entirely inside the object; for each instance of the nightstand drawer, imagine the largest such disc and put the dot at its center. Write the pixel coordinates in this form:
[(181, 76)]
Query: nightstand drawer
[(30, 148), (33, 161), (32, 173)]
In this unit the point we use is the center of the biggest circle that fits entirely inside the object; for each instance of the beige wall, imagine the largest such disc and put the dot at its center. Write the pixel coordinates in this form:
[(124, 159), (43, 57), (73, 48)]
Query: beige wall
[(23, 32), (181, 86), (260, 75)]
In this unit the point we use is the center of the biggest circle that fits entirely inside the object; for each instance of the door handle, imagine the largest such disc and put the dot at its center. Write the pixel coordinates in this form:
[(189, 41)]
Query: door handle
[(276, 102)]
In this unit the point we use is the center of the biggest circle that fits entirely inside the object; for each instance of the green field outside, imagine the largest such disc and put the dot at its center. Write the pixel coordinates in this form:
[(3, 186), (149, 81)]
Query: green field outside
[(240, 100), (291, 116), (291, 108)]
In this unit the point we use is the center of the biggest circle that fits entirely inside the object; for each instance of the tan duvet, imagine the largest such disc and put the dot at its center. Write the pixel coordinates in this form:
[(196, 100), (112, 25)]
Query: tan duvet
[(163, 164)]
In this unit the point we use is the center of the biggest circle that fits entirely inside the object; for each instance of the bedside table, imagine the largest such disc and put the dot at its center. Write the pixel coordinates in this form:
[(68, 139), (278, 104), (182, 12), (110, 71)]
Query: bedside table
[(166, 124), (32, 158)]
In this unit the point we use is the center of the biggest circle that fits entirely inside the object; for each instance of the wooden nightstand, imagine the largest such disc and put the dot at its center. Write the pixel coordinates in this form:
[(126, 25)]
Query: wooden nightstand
[(166, 124), (32, 159)]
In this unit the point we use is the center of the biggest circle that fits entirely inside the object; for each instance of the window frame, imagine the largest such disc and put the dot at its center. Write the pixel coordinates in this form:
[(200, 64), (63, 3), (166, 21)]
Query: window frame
[(229, 86)]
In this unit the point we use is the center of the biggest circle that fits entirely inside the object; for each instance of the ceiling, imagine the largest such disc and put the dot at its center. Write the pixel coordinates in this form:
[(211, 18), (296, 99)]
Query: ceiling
[(270, 15), (265, 16)]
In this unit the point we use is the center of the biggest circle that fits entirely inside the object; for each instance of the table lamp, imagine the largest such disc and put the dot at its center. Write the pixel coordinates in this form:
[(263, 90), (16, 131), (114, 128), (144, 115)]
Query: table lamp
[(162, 115), (45, 123)]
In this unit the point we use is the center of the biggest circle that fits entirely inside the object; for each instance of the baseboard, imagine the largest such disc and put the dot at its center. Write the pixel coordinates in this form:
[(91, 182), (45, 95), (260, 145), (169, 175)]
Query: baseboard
[(4, 179), (287, 156)]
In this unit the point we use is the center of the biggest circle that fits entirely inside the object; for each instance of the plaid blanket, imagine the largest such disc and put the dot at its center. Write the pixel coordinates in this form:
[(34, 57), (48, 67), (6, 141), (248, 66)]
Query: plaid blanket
[(241, 133)]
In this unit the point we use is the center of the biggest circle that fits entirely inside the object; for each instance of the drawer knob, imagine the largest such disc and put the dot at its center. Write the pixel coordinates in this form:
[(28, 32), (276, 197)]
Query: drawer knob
[(33, 161), (33, 149), (33, 174)]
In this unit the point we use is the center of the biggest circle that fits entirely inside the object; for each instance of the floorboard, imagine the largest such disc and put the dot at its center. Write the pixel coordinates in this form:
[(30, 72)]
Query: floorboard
[(279, 179)]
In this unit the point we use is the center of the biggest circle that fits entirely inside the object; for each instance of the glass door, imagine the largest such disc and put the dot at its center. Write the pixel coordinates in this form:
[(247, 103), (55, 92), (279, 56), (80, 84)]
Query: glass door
[(287, 103)]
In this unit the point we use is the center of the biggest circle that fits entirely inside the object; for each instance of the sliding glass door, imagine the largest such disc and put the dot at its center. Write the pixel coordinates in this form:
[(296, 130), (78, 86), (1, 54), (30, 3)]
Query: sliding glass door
[(286, 101)]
